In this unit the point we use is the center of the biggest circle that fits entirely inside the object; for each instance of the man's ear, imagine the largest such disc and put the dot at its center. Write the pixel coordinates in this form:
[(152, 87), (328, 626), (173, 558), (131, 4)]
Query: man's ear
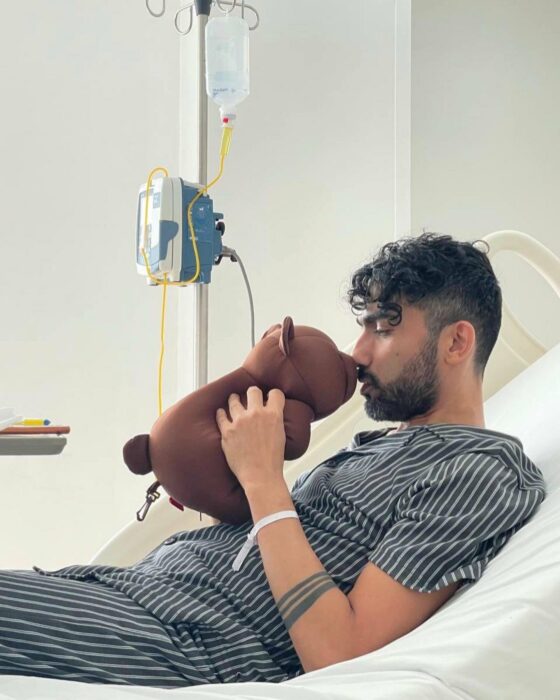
[(460, 342)]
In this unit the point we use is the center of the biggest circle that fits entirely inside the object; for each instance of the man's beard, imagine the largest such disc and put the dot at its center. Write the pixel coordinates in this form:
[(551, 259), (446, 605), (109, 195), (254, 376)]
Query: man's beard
[(412, 394)]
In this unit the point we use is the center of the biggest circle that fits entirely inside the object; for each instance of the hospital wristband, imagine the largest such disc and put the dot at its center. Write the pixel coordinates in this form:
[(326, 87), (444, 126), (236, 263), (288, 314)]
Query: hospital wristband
[(252, 536)]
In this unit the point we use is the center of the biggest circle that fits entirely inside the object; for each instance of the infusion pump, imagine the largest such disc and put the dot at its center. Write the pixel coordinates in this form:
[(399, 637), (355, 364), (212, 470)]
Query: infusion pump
[(167, 239)]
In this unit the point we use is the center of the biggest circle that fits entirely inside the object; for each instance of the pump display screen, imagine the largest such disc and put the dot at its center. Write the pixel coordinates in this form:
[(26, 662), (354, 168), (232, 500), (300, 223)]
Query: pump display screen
[(152, 229)]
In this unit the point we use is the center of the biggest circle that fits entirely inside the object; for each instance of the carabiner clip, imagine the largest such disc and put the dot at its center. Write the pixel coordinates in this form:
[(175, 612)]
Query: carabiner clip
[(151, 496)]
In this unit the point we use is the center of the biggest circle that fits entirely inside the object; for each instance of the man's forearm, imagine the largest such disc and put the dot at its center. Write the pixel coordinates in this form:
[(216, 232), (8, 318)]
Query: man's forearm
[(322, 634)]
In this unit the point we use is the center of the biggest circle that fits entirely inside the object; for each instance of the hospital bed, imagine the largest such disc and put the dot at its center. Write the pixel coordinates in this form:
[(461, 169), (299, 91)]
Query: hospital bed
[(496, 639)]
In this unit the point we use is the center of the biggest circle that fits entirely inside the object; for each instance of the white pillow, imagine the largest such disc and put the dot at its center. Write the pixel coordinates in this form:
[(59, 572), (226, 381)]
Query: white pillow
[(529, 408)]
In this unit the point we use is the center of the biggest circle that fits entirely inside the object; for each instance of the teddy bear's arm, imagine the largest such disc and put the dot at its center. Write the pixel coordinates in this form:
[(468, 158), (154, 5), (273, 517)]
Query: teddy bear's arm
[(298, 417)]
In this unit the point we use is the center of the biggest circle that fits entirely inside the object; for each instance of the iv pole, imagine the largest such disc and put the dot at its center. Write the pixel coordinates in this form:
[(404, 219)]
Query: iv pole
[(193, 148), (200, 316)]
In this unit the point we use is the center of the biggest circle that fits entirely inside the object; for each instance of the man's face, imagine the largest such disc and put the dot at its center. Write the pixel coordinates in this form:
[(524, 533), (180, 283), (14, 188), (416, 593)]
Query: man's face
[(398, 365)]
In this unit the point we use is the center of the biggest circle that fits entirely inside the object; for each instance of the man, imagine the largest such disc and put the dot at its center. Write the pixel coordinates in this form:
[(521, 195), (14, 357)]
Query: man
[(385, 531), (431, 316)]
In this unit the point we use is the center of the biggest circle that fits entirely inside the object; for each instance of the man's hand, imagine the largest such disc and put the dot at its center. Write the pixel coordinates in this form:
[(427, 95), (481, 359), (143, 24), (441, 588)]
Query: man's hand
[(254, 439)]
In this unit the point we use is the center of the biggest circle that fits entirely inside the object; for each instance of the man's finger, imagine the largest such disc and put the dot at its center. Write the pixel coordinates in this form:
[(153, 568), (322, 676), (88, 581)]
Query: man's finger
[(254, 397), (276, 399), (235, 405), (221, 418)]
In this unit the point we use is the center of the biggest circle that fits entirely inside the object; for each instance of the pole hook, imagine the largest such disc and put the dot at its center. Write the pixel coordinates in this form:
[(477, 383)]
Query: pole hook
[(233, 4), (188, 7), (155, 14)]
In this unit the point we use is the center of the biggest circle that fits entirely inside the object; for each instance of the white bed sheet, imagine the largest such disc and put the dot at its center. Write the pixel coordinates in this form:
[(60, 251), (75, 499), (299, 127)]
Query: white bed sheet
[(405, 685), (496, 639)]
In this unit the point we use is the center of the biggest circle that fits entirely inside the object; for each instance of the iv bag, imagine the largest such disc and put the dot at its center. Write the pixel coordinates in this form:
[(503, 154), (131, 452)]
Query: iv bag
[(227, 61)]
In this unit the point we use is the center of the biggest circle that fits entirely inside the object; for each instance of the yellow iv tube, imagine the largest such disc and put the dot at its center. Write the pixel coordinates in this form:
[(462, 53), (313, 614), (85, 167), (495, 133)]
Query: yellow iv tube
[(224, 150)]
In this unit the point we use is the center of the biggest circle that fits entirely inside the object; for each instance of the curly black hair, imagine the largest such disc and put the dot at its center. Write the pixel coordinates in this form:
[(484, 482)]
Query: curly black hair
[(447, 279)]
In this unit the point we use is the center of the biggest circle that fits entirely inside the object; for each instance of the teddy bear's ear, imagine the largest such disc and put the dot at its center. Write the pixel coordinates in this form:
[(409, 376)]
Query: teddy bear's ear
[(273, 328), (286, 335), (136, 454)]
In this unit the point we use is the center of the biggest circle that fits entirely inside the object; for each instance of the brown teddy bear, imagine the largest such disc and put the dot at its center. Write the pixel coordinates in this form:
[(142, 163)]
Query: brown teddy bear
[(184, 447)]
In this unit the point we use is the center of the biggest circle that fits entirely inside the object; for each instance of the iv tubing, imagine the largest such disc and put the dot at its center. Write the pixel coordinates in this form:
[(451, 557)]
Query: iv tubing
[(224, 150)]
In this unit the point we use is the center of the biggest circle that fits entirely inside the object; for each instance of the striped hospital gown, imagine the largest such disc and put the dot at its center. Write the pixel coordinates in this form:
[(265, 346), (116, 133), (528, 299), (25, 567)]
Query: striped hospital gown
[(429, 505)]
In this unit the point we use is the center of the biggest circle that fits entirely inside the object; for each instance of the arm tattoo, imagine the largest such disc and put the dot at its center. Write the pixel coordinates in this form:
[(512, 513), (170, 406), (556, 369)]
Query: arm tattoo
[(301, 597)]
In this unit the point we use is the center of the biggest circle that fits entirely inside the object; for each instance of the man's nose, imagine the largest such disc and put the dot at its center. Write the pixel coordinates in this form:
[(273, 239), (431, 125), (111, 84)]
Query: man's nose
[(360, 355)]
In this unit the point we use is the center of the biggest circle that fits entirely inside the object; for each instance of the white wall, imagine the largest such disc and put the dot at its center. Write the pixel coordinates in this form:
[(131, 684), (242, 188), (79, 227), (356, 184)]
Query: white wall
[(90, 104), (485, 137), (308, 189)]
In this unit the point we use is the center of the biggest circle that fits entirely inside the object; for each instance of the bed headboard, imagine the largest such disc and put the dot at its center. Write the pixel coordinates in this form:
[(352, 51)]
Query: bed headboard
[(515, 350)]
